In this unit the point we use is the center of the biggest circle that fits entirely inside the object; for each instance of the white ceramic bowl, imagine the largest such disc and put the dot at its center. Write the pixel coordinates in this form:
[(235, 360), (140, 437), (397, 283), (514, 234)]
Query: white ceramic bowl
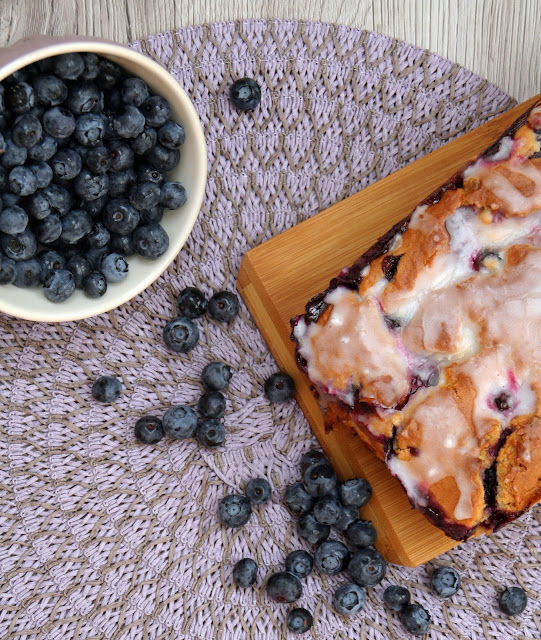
[(31, 303)]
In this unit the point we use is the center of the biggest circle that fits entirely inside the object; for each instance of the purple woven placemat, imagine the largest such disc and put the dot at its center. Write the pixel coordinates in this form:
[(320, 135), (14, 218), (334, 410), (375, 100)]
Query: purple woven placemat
[(103, 538)]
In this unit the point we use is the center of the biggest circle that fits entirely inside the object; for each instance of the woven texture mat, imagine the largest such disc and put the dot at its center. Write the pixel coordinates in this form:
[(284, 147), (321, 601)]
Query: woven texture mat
[(103, 538)]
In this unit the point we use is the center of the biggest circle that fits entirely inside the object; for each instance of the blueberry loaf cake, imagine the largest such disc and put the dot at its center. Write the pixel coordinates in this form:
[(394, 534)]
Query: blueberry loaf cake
[(429, 345)]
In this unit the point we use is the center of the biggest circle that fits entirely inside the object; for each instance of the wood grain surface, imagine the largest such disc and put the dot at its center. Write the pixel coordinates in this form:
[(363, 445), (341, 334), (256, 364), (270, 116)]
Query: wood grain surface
[(498, 39), (274, 295)]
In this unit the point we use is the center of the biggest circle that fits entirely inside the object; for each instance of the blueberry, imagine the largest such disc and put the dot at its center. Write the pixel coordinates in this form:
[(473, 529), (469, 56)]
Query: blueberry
[(361, 534), (349, 599), (162, 158), (49, 229), (98, 160), (109, 74), (109, 134), (80, 268), (311, 457), (216, 375), (130, 123), (82, 97), (120, 217), (299, 620), (26, 131), (331, 557), (180, 335), (51, 261), (245, 94), (319, 479), (396, 597), (171, 135), (445, 581), (95, 207), (151, 215), (43, 150), (367, 567), (114, 267), (258, 490), (50, 90), (58, 122), (94, 255), (122, 244), (94, 284), (212, 404), (145, 141), (297, 500), (66, 164), (284, 587), (144, 195), (4, 173), (59, 198), (179, 422), (98, 236), (245, 573), (279, 387), (327, 510), (75, 225), (19, 246), (512, 601), (210, 433), (172, 195), (68, 66), (92, 67), (27, 273), (134, 91), (89, 186), (13, 220), (14, 155), (234, 510), (43, 173), (59, 285), (22, 181), (89, 129), (120, 182), (107, 389), (355, 492), (149, 430), (223, 306), (10, 199), (191, 303), (7, 270), (148, 174), (311, 530), (150, 240), (156, 111), (300, 563), (415, 619), (20, 97)]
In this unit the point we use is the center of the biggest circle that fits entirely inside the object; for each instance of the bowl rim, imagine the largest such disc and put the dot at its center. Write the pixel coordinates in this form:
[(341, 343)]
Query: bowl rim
[(48, 46)]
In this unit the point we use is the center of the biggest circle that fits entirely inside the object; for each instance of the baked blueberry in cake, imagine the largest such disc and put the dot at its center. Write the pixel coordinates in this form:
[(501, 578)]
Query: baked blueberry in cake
[(429, 345)]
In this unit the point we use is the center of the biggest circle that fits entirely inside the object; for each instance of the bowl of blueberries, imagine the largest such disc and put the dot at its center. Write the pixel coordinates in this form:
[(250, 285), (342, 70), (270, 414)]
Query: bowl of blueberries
[(103, 169)]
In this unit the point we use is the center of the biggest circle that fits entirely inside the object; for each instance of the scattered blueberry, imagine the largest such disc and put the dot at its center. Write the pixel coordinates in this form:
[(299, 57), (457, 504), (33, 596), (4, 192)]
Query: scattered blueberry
[(191, 303), (415, 619), (223, 306), (331, 557), (284, 587), (396, 597), (245, 94), (180, 335), (279, 387), (258, 490), (234, 510), (361, 534), (349, 599), (245, 573), (216, 375), (297, 500), (212, 404), (355, 492), (299, 620), (94, 284), (311, 457), (300, 563), (367, 567), (512, 601), (149, 430), (107, 388), (210, 433), (311, 530), (445, 581), (347, 516), (319, 479), (327, 510), (179, 422)]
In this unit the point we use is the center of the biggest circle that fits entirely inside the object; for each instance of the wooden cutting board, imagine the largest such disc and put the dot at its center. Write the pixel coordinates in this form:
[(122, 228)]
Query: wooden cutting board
[(277, 278)]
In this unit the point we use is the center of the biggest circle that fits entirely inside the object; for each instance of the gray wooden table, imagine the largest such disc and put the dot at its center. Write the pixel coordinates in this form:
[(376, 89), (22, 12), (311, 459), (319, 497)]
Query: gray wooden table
[(499, 39)]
